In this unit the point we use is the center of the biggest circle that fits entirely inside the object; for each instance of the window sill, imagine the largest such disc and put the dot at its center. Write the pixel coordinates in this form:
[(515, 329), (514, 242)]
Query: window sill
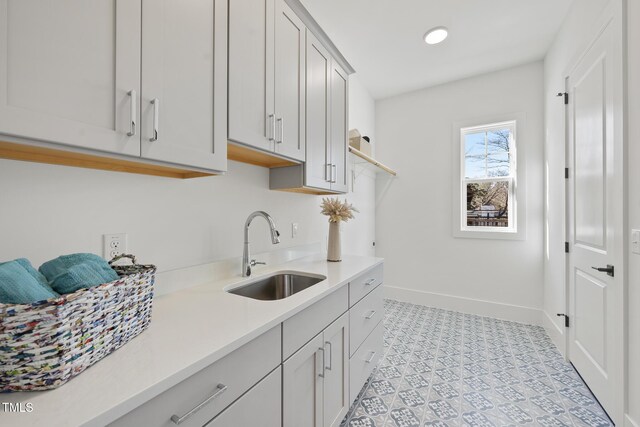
[(490, 233)]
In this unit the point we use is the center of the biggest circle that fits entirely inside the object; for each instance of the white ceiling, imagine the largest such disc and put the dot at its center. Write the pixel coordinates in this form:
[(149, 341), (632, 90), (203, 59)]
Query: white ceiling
[(383, 39)]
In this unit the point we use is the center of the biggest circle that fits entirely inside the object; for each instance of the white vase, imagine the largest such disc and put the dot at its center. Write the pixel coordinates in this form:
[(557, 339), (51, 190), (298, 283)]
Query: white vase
[(334, 246)]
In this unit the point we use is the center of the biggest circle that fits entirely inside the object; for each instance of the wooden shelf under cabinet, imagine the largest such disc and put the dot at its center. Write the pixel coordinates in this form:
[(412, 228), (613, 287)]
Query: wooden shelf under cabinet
[(52, 156), (253, 156)]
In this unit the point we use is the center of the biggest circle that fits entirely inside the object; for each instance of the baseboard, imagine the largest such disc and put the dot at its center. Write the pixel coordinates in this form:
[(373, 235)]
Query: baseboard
[(515, 313), (628, 422), (554, 331)]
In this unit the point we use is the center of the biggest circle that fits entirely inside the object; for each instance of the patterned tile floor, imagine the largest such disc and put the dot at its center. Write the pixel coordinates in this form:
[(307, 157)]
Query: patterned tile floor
[(443, 368)]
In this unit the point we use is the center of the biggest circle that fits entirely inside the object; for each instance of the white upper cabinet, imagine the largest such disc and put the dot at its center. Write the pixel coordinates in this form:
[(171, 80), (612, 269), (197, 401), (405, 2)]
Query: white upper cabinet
[(325, 170), (266, 77), (289, 82), (70, 72), (318, 166), (184, 88), (251, 71), (339, 127)]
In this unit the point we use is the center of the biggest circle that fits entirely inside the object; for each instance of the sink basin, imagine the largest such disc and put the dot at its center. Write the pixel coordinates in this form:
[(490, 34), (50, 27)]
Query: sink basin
[(277, 286)]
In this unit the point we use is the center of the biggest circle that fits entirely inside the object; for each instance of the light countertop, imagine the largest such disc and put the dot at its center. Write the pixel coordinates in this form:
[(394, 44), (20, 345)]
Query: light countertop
[(190, 329)]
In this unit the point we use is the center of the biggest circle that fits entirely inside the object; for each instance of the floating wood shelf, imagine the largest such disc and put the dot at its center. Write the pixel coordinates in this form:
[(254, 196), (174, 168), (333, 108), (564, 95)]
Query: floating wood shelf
[(240, 153), (372, 161), (37, 154)]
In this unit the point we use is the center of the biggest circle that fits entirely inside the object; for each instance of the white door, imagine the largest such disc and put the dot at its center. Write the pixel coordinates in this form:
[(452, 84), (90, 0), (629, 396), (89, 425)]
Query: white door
[(184, 90), (289, 82), (336, 374), (302, 377), (70, 72), (339, 127), (318, 164), (596, 221), (251, 72)]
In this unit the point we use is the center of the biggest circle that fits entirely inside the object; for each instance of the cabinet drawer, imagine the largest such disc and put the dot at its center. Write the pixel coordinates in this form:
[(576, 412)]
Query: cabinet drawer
[(364, 360), (365, 283), (238, 371), (260, 406), (299, 329), (364, 316)]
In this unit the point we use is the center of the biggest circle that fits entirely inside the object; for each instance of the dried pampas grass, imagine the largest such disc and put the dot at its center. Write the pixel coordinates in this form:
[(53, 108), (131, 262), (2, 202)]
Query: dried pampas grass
[(337, 210)]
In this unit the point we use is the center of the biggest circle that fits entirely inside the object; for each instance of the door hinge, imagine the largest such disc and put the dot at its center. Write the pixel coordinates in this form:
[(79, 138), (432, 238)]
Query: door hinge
[(566, 97), (566, 173), (566, 247), (566, 319)]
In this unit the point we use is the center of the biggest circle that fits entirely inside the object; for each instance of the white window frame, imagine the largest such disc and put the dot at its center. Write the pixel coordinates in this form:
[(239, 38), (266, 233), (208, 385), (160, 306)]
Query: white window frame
[(517, 201)]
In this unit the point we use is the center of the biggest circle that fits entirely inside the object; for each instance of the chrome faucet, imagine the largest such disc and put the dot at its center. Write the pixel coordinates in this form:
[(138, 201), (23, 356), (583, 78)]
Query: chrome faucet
[(275, 238)]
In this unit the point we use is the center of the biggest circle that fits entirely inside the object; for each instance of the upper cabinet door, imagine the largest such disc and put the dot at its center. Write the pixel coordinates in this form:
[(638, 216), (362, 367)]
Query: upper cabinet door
[(70, 72), (339, 128), (289, 82), (251, 56), (184, 90), (318, 154)]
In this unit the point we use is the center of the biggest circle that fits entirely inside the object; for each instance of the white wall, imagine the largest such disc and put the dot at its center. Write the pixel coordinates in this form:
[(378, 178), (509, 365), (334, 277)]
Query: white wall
[(46, 210), (414, 213), (633, 300), (360, 232), (576, 32)]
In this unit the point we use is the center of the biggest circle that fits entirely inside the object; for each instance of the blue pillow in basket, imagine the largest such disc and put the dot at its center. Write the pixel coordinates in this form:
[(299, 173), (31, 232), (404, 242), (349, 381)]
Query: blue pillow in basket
[(19, 286), (68, 273)]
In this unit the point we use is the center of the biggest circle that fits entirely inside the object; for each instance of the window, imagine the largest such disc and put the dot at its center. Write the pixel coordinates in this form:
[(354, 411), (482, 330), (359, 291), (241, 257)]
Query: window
[(488, 178)]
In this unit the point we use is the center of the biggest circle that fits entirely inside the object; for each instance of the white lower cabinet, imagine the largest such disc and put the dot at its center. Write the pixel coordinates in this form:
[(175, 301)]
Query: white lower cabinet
[(316, 379), (364, 360), (304, 372), (260, 406), (204, 395)]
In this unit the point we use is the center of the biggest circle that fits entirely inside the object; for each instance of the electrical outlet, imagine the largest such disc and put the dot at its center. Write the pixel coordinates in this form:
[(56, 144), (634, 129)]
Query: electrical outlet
[(635, 241), (114, 245), (294, 230)]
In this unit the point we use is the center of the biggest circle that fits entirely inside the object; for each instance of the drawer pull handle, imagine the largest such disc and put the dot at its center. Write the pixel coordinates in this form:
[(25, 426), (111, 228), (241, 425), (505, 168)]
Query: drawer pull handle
[(321, 373), (370, 359), (156, 119), (370, 282), (271, 127), (370, 315), (132, 112), (221, 388)]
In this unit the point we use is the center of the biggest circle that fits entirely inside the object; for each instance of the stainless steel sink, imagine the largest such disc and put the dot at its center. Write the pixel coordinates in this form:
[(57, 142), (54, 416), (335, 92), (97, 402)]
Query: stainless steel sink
[(277, 286)]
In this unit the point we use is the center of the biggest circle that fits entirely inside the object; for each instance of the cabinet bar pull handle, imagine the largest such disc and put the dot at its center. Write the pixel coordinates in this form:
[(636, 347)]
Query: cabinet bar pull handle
[(334, 173), (330, 354), (327, 172), (221, 388), (321, 374), (370, 359), (156, 118), (281, 127), (370, 282), (132, 112), (271, 133), (370, 315)]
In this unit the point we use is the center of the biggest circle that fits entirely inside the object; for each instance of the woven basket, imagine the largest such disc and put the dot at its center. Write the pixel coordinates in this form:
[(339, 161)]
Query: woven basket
[(44, 344)]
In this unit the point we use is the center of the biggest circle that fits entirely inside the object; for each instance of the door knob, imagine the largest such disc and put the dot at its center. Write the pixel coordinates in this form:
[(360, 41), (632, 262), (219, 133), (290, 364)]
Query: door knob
[(608, 269)]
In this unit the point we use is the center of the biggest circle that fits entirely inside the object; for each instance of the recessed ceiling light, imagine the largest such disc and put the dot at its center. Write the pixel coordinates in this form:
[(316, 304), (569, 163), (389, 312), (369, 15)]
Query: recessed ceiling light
[(436, 35)]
